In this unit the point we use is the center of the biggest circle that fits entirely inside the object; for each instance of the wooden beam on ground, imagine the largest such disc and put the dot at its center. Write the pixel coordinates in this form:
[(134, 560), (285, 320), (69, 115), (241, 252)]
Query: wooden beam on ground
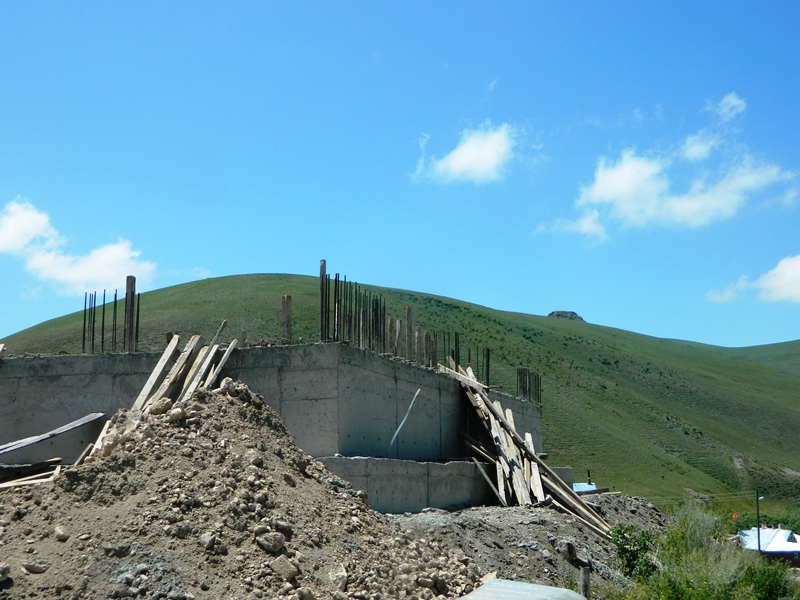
[(15, 472), (157, 374), (598, 530), (33, 480)]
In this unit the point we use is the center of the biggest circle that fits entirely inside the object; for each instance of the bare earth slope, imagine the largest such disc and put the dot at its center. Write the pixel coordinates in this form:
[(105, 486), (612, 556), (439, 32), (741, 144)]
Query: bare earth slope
[(212, 499)]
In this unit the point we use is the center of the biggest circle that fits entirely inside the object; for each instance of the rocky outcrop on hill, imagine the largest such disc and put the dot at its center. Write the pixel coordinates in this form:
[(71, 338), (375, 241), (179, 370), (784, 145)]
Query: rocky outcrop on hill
[(566, 314), (211, 498)]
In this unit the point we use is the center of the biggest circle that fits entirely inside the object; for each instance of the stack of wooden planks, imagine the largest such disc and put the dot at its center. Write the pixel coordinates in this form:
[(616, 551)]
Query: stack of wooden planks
[(177, 375), (522, 477)]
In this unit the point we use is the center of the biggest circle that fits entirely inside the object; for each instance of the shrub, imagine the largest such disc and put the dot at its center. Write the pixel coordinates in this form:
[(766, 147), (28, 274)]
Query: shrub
[(634, 549)]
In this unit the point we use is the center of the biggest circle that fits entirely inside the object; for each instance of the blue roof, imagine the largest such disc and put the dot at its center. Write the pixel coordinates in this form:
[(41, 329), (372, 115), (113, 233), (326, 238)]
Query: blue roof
[(772, 540), (584, 487)]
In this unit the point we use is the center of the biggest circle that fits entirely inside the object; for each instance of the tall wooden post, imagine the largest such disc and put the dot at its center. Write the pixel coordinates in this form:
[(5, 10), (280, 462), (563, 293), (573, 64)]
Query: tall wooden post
[(362, 329), (129, 330), (85, 305), (409, 333), (286, 319), (398, 340), (103, 326), (323, 302)]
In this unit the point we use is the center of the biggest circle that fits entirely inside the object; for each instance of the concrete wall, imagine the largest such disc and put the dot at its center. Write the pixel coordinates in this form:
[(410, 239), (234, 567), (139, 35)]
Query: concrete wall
[(38, 394), (333, 398), (395, 486), (337, 399)]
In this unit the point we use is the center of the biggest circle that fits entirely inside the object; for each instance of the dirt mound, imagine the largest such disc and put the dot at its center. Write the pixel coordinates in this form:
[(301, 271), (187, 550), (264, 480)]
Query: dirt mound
[(212, 499)]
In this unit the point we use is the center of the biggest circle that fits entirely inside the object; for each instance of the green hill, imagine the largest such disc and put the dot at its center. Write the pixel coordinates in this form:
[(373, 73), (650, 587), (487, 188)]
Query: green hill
[(652, 417)]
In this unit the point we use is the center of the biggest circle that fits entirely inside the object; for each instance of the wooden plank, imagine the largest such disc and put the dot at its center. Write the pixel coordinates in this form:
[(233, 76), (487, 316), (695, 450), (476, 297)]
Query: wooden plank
[(201, 368), (46, 474), (197, 377), (193, 368), (215, 373), (497, 436), (83, 455), (16, 444), (173, 378), (594, 527), (491, 484), (501, 482), (28, 481), (478, 403), (521, 486), (39, 469), (99, 443), (472, 383), (157, 374), (480, 451), (536, 478)]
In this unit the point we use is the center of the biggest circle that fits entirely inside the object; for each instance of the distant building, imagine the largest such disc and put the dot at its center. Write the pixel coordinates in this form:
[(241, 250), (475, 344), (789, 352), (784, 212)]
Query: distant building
[(780, 544)]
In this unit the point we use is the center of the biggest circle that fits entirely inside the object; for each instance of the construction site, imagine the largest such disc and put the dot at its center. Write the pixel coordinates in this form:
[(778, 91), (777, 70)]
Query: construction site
[(329, 470)]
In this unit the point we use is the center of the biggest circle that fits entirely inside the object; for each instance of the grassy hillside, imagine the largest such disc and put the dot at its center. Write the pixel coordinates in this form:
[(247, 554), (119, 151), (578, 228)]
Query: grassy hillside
[(653, 417)]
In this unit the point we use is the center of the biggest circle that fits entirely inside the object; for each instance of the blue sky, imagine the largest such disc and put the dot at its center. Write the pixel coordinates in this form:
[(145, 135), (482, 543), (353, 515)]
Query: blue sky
[(634, 162)]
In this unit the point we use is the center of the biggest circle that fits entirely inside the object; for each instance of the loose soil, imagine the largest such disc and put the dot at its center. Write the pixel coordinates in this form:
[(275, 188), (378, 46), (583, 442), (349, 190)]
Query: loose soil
[(213, 499)]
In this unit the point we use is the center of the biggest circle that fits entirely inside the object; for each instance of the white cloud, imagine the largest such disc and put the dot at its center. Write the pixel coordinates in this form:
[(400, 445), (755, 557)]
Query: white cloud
[(781, 284), (698, 147), (730, 106), (639, 190), (705, 203), (634, 187), (730, 293), (21, 223), (26, 232), (479, 157), (588, 224)]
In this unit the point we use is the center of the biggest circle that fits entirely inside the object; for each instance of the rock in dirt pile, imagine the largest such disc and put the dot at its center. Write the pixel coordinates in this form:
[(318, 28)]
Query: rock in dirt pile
[(211, 498)]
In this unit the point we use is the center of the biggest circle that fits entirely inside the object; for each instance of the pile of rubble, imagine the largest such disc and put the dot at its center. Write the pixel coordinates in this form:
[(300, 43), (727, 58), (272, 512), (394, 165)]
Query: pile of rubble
[(210, 498)]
